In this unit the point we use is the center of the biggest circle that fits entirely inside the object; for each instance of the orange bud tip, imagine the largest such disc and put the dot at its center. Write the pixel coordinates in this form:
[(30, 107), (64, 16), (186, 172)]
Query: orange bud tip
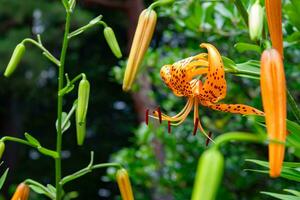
[(169, 127), (147, 117), (207, 139), (195, 126)]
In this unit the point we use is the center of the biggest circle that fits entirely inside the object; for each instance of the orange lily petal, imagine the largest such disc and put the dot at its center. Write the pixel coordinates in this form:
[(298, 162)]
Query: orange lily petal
[(214, 87)]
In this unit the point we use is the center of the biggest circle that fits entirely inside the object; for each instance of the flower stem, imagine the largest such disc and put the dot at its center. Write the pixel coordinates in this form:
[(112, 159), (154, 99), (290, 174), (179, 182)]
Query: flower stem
[(238, 136), (59, 108)]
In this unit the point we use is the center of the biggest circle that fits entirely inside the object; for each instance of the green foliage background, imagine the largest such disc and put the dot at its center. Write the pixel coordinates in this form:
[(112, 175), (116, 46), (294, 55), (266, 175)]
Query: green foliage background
[(27, 99)]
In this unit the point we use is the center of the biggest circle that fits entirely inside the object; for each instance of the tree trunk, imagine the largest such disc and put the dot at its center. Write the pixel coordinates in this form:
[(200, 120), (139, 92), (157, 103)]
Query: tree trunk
[(142, 102)]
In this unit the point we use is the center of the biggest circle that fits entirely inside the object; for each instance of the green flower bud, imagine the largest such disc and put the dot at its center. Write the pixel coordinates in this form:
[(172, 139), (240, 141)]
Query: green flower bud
[(209, 175), (83, 100), (2, 148), (256, 21), (15, 59), (80, 132), (112, 41), (81, 110)]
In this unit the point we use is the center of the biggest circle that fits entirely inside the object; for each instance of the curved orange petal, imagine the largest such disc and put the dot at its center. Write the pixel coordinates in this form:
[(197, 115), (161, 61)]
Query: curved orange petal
[(214, 87)]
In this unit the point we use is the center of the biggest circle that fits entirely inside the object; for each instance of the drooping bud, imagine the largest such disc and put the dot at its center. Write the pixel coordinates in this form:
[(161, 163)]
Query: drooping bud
[(15, 59), (124, 184), (80, 133), (81, 110), (21, 193), (112, 41), (274, 18), (2, 148), (273, 92), (83, 100), (256, 21), (209, 175), (140, 44)]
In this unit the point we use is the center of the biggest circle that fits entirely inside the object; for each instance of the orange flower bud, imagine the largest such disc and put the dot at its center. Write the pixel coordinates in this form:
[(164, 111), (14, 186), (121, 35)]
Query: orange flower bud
[(274, 18), (21, 193), (140, 44), (124, 184), (273, 91)]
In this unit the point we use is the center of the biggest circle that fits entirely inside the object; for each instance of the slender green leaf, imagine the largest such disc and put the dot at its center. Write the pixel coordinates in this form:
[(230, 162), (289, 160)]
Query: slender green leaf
[(293, 138), (3, 178), (294, 192), (32, 140), (67, 124), (281, 196), (287, 172)]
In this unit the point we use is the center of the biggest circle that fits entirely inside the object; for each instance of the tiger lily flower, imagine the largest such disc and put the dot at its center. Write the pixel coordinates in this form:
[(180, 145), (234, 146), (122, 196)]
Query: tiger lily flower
[(182, 78), (273, 91), (21, 193), (274, 18)]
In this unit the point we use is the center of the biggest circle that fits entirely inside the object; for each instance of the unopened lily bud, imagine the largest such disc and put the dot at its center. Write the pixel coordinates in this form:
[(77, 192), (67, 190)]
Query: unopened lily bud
[(80, 133), (273, 92), (274, 18), (140, 44), (112, 41), (15, 59), (2, 148), (124, 184), (81, 110), (83, 100), (209, 175), (21, 193), (256, 21)]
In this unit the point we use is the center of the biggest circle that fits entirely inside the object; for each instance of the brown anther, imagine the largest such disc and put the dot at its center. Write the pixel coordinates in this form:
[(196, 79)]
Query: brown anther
[(147, 117), (159, 115), (195, 126), (169, 127), (208, 139)]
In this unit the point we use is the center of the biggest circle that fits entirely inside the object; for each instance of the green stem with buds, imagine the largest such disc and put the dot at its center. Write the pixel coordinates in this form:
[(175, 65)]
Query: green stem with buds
[(88, 169), (41, 149), (59, 107)]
